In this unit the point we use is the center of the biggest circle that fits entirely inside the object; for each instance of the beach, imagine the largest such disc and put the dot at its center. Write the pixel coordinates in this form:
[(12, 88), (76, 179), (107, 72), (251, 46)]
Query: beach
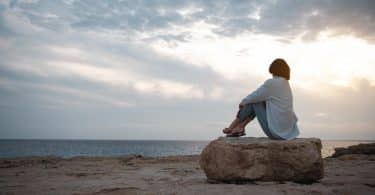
[(135, 174)]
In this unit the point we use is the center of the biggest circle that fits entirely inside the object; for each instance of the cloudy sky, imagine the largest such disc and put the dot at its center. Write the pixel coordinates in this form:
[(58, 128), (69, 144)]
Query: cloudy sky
[(93, 69)]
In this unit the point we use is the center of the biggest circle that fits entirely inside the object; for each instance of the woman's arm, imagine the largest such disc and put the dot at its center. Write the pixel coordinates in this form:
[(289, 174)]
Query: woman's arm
[(259, 95)]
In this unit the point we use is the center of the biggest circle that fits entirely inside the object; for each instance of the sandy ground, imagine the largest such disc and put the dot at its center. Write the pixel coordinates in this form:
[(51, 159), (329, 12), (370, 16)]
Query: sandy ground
[(348, 174)]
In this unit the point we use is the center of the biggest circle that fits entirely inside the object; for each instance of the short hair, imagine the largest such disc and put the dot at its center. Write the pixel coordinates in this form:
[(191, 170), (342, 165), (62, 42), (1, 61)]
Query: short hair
[(279, 67)]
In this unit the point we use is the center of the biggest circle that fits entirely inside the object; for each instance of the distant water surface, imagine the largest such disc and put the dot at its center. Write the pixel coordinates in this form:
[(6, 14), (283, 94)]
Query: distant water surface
[(152, 148)]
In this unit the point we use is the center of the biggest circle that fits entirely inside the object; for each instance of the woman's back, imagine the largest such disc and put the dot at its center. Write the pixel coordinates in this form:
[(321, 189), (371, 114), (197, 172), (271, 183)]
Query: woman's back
[(279, 105)]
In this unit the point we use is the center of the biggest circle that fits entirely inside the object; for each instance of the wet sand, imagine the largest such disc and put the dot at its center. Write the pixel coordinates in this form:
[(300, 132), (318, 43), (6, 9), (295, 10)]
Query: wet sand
[(348, 174)]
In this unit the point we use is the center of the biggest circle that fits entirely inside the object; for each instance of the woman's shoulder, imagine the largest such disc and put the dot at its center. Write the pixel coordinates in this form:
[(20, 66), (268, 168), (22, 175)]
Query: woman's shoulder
[(275, 81), (272, 80)]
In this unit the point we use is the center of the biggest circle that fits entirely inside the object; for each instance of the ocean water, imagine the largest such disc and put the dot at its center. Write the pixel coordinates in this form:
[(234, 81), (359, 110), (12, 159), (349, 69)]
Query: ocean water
[(152, 148)]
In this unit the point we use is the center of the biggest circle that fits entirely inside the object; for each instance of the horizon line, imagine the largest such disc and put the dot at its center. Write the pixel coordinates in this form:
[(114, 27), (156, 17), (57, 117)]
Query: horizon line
[(88, 139)]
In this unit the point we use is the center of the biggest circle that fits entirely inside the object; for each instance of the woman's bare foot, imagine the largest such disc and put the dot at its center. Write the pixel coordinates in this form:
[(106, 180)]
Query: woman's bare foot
[(237, 127), (237, 130), (237, 133), (227, 130), (234, 123)]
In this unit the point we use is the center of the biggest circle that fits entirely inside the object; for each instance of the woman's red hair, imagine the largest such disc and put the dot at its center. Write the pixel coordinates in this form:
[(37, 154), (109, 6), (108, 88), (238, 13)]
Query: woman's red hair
[(279, 67)]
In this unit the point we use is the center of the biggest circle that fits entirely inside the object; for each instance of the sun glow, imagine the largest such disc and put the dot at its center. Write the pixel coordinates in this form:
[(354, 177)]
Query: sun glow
[(329, 59)]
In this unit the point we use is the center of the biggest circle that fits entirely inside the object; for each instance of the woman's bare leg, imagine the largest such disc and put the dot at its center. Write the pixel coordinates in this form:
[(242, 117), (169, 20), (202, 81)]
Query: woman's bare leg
[(240, 127), (234, 123), (237, 123), (236, 126)]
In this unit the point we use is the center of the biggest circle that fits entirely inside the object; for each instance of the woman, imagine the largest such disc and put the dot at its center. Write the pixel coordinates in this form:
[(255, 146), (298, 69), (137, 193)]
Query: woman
[(272, 104)]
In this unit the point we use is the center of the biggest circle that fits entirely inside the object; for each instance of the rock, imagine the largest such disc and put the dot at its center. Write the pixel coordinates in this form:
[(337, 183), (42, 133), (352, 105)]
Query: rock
[(368, 149), (229, 159)]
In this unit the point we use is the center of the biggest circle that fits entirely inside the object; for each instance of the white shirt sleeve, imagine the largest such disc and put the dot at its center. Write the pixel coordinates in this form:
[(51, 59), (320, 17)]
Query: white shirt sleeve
[(259, 95)]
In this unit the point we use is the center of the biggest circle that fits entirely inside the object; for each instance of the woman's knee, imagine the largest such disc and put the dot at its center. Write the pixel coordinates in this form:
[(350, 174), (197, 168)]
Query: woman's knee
[(258, 105)]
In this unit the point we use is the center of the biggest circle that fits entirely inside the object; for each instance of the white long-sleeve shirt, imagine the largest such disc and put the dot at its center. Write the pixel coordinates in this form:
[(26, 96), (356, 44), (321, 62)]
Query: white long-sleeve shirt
[(277, 94)]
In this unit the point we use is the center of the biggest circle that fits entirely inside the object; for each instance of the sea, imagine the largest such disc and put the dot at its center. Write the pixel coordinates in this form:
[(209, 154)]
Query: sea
[(148, 148)]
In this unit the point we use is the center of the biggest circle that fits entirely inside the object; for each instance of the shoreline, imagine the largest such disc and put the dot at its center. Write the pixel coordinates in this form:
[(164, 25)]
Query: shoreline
[(74, 148)]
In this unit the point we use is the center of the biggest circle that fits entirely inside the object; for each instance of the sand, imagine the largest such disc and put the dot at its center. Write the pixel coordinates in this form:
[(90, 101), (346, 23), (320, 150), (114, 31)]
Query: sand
[(348, 174)]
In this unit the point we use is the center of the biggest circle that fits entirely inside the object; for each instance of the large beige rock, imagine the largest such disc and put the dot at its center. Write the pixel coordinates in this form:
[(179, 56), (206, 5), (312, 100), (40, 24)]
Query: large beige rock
[(233, 159)]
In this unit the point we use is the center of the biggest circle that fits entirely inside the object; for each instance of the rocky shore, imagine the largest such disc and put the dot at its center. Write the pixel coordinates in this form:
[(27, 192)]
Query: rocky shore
[(350, 172)]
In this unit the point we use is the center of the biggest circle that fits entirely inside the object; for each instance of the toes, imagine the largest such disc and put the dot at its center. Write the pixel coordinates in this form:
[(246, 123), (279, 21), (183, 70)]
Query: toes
[(227, 130)]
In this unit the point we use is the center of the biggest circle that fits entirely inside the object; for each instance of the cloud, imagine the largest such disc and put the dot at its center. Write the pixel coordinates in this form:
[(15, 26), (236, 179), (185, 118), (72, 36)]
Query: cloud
[(287, 18), (107, 60), (88, 69), (337, 111), (313, 17)]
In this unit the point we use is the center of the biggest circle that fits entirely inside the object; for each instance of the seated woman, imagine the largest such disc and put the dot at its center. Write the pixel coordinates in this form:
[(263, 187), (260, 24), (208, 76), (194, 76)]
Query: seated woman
[(272, 104)]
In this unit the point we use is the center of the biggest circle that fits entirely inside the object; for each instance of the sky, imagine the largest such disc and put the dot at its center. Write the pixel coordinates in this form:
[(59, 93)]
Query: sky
[(148, 69)]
